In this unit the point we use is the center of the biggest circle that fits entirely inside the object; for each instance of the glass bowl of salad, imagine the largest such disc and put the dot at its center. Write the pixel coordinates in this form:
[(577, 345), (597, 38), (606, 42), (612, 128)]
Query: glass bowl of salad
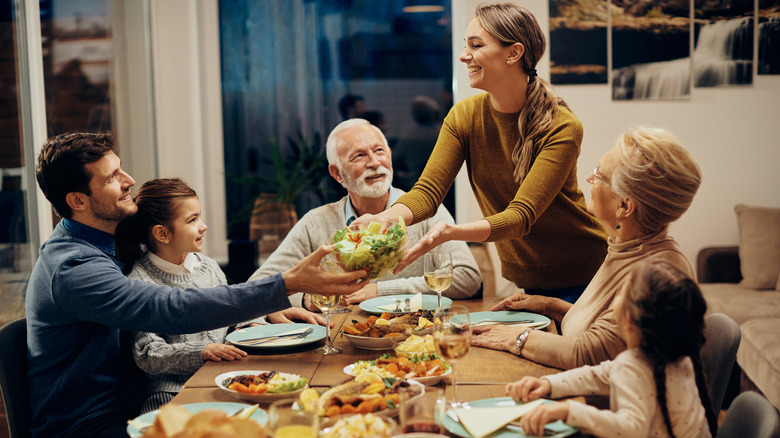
[(377, 248)]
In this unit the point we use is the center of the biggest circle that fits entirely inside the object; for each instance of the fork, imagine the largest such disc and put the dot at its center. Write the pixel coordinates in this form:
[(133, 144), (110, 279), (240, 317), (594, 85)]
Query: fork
[(491, 321), (260, 341)]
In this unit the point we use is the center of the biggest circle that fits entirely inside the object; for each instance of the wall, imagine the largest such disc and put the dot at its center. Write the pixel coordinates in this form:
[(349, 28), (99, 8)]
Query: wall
[(733, 133)]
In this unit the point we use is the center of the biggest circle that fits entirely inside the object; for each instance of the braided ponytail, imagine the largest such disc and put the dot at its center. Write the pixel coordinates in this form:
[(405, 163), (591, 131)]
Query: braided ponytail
[(704, 393), (511, 24), (659, 374)]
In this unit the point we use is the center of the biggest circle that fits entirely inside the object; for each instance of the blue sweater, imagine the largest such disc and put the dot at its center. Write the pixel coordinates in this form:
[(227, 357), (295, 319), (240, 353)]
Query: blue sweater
[(81, 310)]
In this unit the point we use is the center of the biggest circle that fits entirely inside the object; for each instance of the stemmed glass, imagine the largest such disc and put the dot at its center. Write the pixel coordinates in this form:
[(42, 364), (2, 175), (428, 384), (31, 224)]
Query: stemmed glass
[(438, 272), (326, 304), (452, 337)]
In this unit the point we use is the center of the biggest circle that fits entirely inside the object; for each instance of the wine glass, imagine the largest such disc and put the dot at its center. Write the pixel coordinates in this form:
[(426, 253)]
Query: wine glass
[(326, 303), (287, 419), (438, 272), (452, 337)]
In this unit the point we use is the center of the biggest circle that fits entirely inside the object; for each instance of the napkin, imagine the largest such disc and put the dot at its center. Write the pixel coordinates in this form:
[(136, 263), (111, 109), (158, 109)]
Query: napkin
[(283, 341), (480, 422), (415, 304)]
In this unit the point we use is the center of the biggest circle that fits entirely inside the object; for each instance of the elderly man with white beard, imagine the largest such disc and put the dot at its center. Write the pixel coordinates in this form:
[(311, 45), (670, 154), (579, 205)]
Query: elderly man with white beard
[(360, 160)]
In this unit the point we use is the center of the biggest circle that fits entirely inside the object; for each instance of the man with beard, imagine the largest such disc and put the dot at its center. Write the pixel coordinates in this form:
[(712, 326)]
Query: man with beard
[(360, 160), (80, 306)]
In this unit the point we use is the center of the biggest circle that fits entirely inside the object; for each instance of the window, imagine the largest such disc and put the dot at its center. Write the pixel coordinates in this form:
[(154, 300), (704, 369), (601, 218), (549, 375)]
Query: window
[(286, 64)]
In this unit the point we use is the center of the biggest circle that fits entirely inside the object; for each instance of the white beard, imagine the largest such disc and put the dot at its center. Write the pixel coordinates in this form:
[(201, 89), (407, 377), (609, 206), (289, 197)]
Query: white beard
[(360, 187)]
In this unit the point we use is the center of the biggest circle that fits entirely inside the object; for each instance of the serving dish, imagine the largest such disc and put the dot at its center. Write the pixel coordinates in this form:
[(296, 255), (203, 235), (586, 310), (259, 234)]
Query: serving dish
[(427, 380), (266, 397), (367, 343)]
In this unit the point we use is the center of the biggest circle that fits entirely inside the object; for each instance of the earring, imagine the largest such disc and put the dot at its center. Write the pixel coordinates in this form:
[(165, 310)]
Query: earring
[(508, 61), (617, 227)]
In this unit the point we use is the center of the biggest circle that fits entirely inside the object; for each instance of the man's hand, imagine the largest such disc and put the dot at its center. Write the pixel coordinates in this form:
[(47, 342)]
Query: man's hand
[(496, 337), (528, 388), (369, 291), (433, 238), (293, 314), (218, 352), (520, 301), (533, 422), (309, 277)]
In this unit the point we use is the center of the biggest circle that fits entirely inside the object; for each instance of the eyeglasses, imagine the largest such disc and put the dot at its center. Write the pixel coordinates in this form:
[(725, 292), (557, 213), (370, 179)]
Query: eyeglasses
[(596, 175)]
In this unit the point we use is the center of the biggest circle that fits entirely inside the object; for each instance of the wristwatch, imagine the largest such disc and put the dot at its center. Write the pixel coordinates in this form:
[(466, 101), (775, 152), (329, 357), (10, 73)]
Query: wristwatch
[(521, 340)]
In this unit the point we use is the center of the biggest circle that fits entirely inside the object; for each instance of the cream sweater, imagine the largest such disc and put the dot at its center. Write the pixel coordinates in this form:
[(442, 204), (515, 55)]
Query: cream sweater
[(589, 332), (634, 409)]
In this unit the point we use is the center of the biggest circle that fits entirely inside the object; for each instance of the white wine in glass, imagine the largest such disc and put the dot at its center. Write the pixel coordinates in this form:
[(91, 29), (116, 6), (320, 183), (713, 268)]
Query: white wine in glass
[(438, 272), (452, 338), (326, 303)]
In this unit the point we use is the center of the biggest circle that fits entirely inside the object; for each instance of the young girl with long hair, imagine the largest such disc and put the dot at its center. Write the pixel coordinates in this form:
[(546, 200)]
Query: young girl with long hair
[(657, 386), (162, 243)]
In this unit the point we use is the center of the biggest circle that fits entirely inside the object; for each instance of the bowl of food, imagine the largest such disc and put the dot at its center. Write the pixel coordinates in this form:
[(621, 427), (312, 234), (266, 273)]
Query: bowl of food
[(428, 369), (366, 394), (261, 386), (377, 248), (415, 345), (359, 426)]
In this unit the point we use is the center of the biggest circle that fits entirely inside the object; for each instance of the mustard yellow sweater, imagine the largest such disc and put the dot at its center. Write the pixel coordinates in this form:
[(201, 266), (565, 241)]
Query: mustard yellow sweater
[(544, 235)]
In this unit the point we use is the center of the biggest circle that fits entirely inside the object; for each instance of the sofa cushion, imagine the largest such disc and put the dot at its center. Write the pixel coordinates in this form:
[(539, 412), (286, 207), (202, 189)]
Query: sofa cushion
[(759, 245), (739, 303), (759, 356)]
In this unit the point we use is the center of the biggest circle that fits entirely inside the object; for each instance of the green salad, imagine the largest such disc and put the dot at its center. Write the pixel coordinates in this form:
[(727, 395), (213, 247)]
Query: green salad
[(379, 251)]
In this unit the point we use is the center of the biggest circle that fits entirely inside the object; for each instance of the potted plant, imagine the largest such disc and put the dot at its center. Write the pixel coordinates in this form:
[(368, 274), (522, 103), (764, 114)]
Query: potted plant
[(299, 168)]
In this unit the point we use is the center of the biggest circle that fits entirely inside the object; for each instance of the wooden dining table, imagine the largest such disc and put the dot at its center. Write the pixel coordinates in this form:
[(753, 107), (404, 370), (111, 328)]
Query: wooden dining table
[(482, 374)]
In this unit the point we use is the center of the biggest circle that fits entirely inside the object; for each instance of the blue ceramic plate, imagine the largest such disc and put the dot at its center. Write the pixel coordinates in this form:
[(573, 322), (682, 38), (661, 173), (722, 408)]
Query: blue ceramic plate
[(147, 419), (260, 331), (508, 316), (558, 429), (429, 302)]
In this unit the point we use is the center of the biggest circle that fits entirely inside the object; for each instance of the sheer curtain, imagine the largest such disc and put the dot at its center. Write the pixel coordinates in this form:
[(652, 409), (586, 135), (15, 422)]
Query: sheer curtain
[(271, 82)]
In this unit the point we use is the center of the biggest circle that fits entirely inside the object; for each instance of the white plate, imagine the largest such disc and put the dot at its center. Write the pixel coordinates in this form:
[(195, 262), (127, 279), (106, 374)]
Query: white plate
[(366, 343), (134, 427), (427, 381), (237, 337), (429, 302), (264, 398), (509, 316), (559, 428)]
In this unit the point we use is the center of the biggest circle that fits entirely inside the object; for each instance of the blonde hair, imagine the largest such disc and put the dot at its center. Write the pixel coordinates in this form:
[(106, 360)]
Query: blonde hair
[(654, 169), (511, 24)]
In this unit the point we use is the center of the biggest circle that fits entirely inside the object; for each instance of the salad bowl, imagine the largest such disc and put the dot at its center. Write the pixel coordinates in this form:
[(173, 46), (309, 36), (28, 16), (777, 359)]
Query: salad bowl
[(377, 248), (286, 387)]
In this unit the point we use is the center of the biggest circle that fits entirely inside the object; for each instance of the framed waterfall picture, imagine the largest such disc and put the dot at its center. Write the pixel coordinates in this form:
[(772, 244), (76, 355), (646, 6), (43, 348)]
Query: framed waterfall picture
[(651, 56), (769, 37), (578, 42), (723, 49)]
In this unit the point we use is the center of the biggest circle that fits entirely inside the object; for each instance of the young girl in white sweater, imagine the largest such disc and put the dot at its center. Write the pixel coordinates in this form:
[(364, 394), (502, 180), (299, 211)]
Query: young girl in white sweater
[(656, 386), (164, 240)]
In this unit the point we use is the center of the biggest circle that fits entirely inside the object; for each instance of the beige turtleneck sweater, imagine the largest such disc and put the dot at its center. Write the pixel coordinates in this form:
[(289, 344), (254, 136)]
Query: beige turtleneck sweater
[(589, 333)]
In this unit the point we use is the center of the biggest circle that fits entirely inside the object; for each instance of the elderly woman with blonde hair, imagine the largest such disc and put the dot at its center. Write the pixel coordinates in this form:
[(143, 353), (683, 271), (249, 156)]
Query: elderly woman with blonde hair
[(645, 182)]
